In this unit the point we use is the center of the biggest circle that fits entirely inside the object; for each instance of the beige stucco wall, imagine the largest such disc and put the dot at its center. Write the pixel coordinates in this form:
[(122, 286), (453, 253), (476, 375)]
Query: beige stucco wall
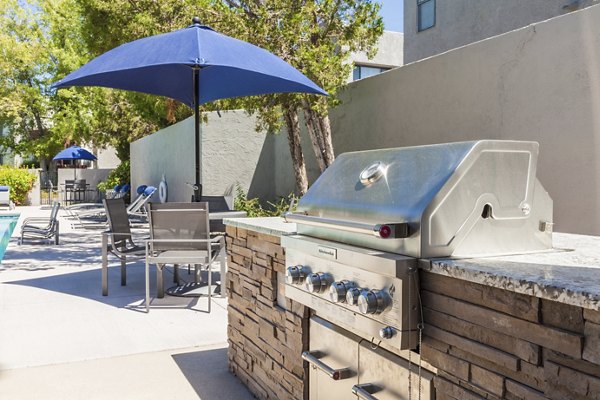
[(107, 158), (390, 52), (539, 83), (232, 154), (460, 22)]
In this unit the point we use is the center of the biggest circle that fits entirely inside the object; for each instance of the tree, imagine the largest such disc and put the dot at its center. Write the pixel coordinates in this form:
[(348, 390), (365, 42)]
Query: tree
[(25, 68), (315, 36)]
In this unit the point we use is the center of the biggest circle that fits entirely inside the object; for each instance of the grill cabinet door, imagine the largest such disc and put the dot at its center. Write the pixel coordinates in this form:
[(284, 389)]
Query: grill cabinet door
[(334, 348), (384, 376)]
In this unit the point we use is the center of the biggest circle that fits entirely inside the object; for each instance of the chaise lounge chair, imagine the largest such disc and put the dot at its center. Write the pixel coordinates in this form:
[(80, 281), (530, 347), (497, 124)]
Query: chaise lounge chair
[(94, 215), (5, 197), (37, 228)]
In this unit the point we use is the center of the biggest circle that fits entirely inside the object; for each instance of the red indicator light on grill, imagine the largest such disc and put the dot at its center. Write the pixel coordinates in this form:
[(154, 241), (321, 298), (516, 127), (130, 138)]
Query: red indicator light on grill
[(385, 231)]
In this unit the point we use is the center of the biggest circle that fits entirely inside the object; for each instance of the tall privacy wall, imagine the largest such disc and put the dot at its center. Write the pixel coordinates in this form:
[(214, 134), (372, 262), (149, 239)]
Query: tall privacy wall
[(538, 83), (232, 153)]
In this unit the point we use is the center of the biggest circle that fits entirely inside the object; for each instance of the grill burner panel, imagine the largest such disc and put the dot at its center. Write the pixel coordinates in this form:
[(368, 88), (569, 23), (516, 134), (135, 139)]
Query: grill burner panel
[(381, 279)]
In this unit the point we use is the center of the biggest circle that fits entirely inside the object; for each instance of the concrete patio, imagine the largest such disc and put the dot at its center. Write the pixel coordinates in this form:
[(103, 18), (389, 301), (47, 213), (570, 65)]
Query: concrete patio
[(61, 339)]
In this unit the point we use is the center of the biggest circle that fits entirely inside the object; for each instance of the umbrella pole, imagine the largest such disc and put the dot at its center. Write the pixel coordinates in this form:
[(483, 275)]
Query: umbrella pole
[(198, 140)]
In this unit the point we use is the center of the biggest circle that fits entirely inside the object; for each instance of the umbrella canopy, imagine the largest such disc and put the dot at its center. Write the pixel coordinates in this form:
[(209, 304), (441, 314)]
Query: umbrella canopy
[(74, 153), (193, 65)]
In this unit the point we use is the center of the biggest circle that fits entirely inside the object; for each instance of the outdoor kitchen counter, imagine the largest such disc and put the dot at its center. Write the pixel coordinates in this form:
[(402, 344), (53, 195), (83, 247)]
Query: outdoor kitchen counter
[(517, 327), (569, 274), (268, 225)]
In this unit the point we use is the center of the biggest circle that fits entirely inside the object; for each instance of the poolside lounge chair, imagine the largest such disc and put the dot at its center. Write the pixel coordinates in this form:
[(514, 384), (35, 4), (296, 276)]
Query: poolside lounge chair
[(180, 234), (137, 208), (94, 215), (117, 240), (5, 197), (37, 228), (113, 193)]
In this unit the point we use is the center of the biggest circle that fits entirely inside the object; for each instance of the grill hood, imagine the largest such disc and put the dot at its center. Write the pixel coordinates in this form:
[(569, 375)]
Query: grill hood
[(463, 199)]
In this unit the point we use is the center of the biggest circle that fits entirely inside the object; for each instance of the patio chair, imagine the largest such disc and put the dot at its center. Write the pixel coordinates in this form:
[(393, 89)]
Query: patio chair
[(79, 190), (218, 204), (68, 191), (180, 234), (40, 228), (118, 240)]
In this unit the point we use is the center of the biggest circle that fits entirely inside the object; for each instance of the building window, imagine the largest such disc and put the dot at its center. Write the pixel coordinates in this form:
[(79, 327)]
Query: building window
[(364, 71), (425, 14)]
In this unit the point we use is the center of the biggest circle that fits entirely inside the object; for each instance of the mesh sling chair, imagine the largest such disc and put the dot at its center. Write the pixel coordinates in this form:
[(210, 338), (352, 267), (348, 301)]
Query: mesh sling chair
[(42, 228), (180, 234), (117, 240)]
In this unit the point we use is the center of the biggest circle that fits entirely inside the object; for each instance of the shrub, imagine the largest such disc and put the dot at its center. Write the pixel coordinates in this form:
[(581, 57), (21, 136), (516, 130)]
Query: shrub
[(118, 176), (254, 208), (20, 181)]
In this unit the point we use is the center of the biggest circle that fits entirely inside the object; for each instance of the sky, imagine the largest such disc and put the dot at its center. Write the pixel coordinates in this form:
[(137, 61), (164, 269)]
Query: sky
[(392, 12)]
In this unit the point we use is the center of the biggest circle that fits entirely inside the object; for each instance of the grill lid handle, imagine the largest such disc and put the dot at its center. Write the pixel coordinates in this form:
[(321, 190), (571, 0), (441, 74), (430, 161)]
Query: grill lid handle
[(384, 231)]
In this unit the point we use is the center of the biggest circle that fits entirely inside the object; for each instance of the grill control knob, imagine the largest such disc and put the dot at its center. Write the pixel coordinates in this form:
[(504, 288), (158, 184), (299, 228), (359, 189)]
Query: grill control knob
[(295, 275), (372, 302), (352, 296), (338, 290), (387, 333), (317, 282)]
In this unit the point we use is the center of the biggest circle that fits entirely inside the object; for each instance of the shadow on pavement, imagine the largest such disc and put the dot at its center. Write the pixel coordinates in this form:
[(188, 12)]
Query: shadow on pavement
[(209, 375)]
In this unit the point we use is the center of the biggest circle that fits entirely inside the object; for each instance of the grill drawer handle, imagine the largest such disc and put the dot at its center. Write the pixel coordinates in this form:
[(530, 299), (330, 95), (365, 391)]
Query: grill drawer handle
[(383, 231), (363, 391), (335, 374)]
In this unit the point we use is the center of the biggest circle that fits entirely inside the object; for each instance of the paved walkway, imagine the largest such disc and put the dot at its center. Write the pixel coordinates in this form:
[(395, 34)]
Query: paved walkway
[(61, 339)]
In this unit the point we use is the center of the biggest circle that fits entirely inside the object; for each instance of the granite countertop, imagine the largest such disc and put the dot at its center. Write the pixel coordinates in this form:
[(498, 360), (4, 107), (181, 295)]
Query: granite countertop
[(275, 226), (570, 273)]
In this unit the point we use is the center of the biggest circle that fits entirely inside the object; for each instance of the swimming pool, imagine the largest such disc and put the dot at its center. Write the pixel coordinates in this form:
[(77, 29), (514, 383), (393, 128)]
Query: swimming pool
[(7, 226)]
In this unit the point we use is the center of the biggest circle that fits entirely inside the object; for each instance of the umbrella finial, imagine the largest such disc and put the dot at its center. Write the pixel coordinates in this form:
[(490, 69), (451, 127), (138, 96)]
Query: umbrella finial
[(196, 21)]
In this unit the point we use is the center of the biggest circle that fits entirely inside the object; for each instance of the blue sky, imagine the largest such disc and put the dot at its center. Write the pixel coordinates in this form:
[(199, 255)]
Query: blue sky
[(392, 12)]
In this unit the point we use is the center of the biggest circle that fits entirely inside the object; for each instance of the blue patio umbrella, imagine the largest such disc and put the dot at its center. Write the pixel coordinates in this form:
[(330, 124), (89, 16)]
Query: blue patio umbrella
[(194, 65), (74, 153)]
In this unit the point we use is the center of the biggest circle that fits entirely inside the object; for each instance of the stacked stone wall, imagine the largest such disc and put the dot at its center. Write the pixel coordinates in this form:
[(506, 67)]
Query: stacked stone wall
[(265, 340), (490, 343)]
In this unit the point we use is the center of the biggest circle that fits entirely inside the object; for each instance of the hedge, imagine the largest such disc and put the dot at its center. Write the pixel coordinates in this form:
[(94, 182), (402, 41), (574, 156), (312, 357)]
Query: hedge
[(21, 182)]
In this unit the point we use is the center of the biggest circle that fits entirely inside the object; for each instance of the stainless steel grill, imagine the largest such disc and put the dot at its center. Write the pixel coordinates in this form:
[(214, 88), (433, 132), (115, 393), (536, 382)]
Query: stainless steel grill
[(456, 199), (366, 222)]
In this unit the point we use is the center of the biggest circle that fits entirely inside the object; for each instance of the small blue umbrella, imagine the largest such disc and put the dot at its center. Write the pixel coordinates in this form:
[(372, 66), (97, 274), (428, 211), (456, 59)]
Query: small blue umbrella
[(194, 65), (74, 153)]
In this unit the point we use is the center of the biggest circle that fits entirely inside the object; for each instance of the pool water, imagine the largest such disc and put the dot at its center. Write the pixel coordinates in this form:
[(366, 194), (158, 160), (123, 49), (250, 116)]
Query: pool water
[(7, 226)]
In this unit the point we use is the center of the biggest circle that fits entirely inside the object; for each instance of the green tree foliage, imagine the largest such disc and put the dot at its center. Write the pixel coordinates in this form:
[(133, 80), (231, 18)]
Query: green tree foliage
[(26, 70), (315, 36), (40, 42), (43, 40)]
